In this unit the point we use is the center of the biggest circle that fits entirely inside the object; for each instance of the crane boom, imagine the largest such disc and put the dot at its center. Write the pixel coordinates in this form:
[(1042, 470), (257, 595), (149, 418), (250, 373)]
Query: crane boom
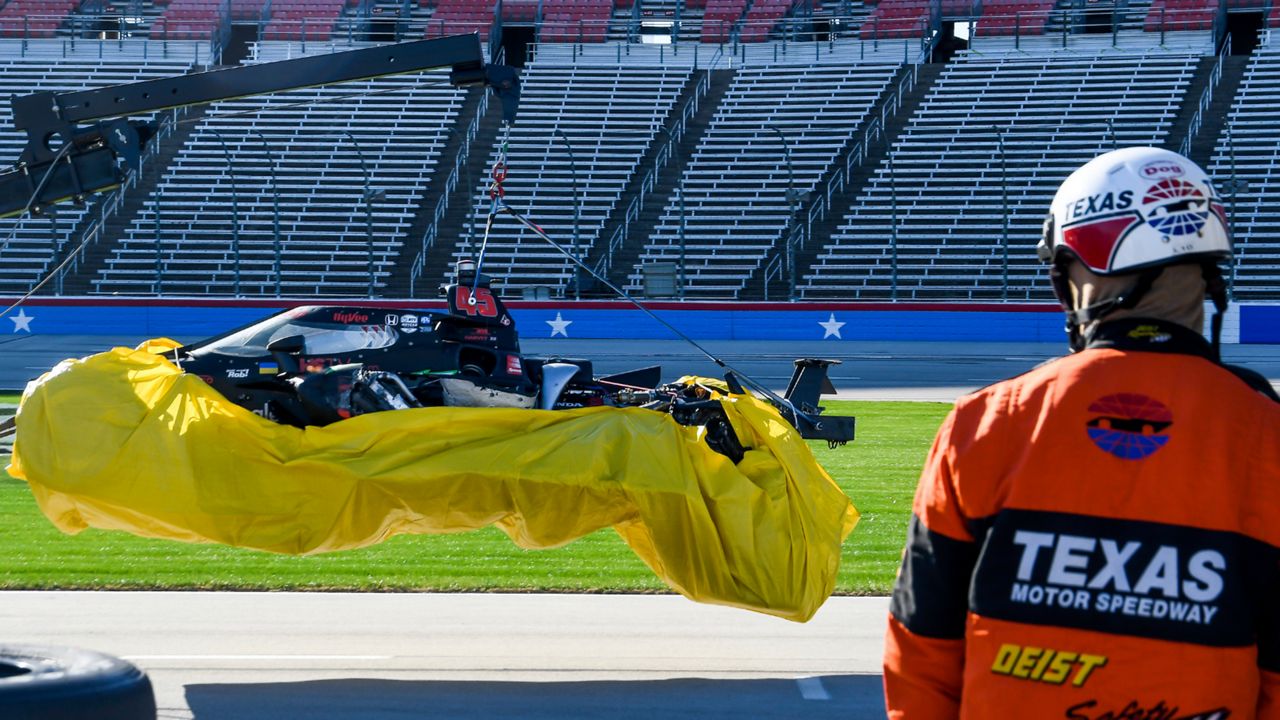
[(97, 152)]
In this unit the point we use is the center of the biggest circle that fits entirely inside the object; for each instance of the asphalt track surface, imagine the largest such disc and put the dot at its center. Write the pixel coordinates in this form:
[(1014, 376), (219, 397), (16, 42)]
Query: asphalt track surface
[(277, 656)]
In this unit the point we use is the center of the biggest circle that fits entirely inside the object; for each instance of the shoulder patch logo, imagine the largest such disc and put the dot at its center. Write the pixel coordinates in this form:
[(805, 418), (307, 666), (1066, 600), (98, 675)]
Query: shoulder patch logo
[(1129, 425)]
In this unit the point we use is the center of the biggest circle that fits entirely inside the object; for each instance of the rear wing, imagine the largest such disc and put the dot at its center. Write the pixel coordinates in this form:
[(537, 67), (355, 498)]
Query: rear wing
[(808, 383)]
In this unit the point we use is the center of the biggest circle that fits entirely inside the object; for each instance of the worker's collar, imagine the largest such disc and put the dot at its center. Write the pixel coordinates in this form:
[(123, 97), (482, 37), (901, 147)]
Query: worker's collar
[(1149, 335)]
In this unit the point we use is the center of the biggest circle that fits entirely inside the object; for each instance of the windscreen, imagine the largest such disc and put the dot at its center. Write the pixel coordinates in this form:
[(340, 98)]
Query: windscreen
[(319, 338)]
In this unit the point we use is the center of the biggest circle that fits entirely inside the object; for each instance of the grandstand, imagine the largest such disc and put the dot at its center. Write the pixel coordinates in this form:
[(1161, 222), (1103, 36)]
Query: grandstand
[(315, 199), (732, 206), (896, 150), (1246, 161), (36, 245), (950, 207), (582, 133)]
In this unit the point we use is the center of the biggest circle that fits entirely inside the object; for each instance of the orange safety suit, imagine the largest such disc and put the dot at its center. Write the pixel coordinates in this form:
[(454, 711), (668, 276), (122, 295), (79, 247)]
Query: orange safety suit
[(1097, 539)]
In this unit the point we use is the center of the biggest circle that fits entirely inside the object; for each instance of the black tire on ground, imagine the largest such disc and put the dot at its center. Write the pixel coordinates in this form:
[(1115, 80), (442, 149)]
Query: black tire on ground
[(59, 683)]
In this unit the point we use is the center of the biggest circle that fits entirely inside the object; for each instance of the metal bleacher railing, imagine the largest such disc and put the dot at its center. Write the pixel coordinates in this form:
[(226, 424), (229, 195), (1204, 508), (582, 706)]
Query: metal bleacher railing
[(674, 135), (1206, 97), (783, 264), (960, 223), (456, 175), (581, 133), (776, 133), (39, 243), (1246, 167), (309, 192)]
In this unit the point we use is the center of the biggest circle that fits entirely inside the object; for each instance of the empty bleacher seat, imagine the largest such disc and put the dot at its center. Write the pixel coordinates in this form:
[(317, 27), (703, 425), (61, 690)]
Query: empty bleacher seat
[(1246, 170), (989, 145), (735, 184), (39, 243), (314, 152), (610, 116)]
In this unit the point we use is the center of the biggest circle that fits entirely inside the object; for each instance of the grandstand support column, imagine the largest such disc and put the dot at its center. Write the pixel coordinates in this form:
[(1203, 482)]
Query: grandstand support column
[(275, 207), (159, 248), (1004, 216), (893, 225), (368, 206), (788, 246), (235, 208), (53, 234), (577, 212), (680, 271), (470, 218), (1233, 186)]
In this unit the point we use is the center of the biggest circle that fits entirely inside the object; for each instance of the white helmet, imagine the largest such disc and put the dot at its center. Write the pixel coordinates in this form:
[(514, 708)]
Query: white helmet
[(1136, 208)]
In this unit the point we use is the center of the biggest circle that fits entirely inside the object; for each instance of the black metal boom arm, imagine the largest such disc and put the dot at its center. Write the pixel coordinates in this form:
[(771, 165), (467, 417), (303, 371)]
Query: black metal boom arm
[(93, 161)]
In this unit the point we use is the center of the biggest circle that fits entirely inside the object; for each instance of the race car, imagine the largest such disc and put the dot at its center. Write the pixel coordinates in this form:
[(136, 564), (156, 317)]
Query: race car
[(316, 365)]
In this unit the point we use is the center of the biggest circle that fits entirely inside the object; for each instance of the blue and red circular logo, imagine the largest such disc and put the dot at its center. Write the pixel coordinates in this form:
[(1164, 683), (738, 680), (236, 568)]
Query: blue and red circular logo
[(1180, 207), (1128, 425)]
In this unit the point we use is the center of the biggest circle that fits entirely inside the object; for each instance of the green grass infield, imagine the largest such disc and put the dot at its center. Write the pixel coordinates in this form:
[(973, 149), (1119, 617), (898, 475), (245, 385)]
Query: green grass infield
[(878, 471)]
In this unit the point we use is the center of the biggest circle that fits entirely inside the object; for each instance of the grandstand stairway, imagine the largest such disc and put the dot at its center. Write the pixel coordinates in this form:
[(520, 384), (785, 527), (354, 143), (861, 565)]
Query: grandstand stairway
[(1250, 155), (1215, 115), (1190, 102), (956, 213), (96, 255), (609, 116), (32, 246), (664, 191), (842, 202), (453, 226), (398, 283)]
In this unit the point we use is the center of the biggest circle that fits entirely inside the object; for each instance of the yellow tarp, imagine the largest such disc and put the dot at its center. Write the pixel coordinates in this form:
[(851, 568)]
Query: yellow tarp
[(124, 440)]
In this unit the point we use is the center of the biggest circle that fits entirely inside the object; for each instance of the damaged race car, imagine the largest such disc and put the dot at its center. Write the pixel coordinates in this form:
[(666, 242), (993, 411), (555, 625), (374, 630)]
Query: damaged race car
[(316, 365), (708, 484)]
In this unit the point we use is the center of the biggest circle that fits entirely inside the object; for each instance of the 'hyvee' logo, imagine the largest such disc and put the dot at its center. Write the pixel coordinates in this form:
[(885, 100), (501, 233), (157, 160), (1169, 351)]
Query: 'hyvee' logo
[(1104, 575), (349, 317)]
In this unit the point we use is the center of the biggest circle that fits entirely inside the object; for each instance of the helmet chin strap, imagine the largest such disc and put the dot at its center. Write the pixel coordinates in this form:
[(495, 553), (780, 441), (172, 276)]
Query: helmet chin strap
[(1216, 289), (1079, 317)]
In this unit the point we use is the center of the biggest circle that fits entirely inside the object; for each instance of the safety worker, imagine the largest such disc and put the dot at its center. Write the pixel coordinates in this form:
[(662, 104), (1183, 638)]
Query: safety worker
[(1099, 538)]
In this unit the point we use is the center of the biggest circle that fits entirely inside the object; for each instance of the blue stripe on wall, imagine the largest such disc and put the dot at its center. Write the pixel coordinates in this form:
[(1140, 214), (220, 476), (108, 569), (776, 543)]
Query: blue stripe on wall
[(1258, 324), (798, 325), (193, 322)]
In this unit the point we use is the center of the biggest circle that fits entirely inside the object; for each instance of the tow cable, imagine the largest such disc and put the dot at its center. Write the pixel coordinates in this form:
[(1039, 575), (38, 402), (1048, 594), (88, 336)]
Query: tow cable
[(498, 204)]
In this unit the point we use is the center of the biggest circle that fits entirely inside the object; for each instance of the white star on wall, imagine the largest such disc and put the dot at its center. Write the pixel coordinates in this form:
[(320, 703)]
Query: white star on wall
[(831, 327), (559, 326), (22, 321)]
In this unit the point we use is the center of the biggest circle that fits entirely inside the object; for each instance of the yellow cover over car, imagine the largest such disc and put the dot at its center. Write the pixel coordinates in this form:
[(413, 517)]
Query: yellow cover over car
[(125, 440)]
